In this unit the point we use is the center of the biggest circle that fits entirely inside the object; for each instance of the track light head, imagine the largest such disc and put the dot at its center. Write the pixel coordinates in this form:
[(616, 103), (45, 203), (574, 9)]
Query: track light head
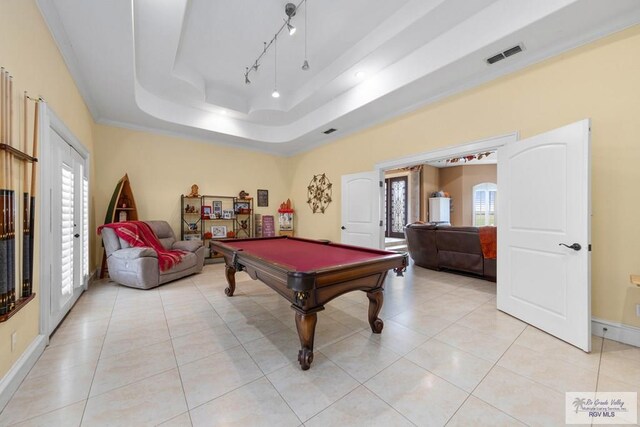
[(246, 77), (305, 65), (291, 28), (290, 10)]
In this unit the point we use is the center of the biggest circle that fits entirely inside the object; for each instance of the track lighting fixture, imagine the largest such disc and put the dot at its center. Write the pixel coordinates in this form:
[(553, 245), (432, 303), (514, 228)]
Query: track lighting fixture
[(290, 10), (305, 64), (275, 93)]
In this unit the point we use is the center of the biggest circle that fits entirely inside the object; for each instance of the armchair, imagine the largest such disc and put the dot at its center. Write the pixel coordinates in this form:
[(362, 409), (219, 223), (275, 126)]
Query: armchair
[(138, 267)]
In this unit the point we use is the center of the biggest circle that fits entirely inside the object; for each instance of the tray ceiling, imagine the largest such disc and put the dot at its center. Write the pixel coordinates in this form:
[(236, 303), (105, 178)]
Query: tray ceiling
[(178, 66)]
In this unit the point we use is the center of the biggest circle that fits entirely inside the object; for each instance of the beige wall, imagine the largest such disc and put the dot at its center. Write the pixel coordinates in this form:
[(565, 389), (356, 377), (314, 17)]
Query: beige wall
[(161, 168), (430, 184), (598, 81), (28, 51), (452, 181)]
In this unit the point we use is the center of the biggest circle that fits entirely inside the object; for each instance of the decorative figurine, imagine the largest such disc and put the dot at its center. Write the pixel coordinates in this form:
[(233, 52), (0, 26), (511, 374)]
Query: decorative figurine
[(194, 191), (243, 194)]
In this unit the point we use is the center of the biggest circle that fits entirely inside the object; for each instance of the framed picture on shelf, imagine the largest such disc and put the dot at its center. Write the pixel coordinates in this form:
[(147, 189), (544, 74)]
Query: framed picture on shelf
[(227, 214), (205, 211), (217, 207), (242, 207), (193, 226), (263, 198), (218, 231)]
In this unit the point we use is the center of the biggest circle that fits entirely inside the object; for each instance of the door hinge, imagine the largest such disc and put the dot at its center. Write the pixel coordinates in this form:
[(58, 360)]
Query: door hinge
[(380, 223), (589, 247), (381, 184)]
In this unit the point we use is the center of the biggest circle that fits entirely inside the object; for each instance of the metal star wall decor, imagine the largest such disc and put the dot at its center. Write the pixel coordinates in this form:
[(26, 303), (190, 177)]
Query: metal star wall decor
[(319, 193)]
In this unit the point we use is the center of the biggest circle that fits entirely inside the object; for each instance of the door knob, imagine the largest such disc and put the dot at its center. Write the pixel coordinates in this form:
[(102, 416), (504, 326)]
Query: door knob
[(575, 246), (343, 228), (76, 235)]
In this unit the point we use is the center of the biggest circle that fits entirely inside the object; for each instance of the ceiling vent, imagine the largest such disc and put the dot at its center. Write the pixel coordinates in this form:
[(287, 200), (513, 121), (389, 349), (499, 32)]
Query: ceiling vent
[(502, 55), (328, 131)]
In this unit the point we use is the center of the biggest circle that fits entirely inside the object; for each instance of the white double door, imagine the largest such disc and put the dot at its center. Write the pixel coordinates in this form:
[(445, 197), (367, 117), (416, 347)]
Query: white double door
[(67, 228), (544, 270)]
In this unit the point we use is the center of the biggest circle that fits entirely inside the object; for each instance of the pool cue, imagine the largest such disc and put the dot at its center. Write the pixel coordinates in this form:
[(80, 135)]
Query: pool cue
[(11, 290), (32, 205), (4, 261), (26, 200)]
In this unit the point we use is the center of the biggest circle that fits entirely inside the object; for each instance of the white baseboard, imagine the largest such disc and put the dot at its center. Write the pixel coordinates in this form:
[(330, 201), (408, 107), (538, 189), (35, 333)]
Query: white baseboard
[(12, 380), (616, 331)]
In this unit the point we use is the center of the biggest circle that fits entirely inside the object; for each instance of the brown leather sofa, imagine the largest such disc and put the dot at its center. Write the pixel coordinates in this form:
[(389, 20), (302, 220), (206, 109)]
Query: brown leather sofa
[(449, 248)]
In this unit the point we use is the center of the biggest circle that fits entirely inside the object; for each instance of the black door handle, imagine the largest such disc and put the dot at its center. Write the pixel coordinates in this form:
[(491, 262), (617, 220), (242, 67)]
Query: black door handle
[(343, 228), (76, 235), (575, 246)]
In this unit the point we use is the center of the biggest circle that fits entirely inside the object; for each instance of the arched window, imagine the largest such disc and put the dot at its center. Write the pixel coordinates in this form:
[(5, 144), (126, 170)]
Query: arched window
[(484, 204)]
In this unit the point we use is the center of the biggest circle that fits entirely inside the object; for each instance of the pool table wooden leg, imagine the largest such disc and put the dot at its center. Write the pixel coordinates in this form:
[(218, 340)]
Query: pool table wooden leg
[(306, 325), (376, 298), (230, 273)]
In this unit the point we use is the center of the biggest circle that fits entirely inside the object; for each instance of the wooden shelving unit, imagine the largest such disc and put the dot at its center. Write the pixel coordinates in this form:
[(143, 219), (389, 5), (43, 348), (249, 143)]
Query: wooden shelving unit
[(196, 225), (122, 207)]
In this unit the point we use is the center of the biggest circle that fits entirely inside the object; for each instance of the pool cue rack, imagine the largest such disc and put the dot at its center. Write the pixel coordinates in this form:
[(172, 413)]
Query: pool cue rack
[(13, 296)]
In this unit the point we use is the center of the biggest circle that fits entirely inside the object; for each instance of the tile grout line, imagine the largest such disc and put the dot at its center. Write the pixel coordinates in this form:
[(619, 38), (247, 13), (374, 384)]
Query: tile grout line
[(184, 394), (104, 339), (483, 378), (604, 334)]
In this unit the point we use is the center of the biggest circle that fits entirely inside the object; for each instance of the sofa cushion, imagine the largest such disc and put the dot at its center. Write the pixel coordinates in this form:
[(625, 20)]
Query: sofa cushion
[(187, 245), (134, 253), (459, 239), (421, 243), (163, 232), (188, 262)]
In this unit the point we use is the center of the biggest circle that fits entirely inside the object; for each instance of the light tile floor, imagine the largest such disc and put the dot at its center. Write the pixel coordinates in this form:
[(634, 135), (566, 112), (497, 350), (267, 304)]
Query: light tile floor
[(185, 354)]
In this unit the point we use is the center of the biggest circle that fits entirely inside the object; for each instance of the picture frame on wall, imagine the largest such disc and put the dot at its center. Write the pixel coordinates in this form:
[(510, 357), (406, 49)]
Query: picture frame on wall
[(241, 207), (218, 231), (263, 198)]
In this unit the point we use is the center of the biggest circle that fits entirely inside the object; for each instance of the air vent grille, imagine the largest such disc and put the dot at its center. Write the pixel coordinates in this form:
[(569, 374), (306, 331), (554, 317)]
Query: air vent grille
[(512, 51), (505, 54), (328, 131), (496, 58)]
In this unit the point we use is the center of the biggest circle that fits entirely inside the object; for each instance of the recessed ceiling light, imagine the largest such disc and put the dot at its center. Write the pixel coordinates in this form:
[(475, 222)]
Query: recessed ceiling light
[(224, 112), (360, 74)]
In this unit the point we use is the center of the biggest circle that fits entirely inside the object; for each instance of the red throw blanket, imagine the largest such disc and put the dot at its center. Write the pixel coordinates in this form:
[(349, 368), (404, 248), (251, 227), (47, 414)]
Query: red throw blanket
[(139, 234), (488, 240)]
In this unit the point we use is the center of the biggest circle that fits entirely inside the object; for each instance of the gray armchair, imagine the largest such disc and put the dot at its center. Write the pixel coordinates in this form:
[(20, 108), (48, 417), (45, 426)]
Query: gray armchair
[(138, 267)]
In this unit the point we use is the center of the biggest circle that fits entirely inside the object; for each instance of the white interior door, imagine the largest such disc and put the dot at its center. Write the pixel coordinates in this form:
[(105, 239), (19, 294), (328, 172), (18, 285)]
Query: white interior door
[(361, 195), (66, 228), (544, 202)]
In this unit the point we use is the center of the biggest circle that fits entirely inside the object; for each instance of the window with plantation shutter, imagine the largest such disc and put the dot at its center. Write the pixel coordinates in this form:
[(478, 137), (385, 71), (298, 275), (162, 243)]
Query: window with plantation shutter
[(85, 228), (67, 230), (484, 204)]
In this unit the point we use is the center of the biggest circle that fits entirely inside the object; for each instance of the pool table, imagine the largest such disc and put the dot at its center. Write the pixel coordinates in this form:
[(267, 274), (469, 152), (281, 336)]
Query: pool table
[(310, 273)]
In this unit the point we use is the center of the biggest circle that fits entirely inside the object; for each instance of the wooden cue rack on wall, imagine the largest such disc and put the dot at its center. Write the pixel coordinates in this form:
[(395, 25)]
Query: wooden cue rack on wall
[(16, 272)]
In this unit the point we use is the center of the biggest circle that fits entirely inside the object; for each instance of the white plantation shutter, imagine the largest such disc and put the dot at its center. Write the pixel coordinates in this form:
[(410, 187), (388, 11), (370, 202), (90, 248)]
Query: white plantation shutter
[(67, 230), (85, 228)]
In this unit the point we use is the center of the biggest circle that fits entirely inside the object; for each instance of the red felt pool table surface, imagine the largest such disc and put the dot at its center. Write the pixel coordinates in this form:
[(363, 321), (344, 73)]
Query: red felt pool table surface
[(305, 255)]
